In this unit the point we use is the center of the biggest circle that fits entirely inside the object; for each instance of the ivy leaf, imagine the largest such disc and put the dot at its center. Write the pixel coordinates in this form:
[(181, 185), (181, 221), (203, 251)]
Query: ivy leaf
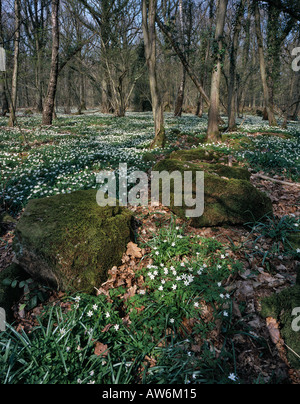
[(6, 282)]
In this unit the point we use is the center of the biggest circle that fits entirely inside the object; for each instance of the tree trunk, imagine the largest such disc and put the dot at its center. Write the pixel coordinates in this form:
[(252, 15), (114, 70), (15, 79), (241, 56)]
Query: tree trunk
[(213, 132), (232, 89), (52, 86), (149, 30), (296, 105), (199, 109), (120, 97), (180, 94), (35, 24), (296, 112), (3, 99), (13, 105), (262, 63), (82, 92), (106, 104), (67, 86), (200, 101), (38, 81)]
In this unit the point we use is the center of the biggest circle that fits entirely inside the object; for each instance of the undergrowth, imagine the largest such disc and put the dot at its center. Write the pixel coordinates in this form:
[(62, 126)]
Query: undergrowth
[(149, 338)]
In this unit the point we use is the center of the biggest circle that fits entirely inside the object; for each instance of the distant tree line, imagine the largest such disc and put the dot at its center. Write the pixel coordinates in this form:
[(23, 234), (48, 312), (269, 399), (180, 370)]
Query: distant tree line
[(198, 56)]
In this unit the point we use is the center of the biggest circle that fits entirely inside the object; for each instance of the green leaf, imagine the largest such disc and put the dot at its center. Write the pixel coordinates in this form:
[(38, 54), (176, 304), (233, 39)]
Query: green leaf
[(6, 282), (22, 307), (33, 302), (41, 296)]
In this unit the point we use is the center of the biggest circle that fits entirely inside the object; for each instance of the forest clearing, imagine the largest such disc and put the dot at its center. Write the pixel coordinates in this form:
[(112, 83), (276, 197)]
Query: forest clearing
[(134, 292)]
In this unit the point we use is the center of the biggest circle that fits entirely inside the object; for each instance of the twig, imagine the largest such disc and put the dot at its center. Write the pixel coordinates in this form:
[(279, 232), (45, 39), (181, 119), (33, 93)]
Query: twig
[(295, 353), (264, 177)]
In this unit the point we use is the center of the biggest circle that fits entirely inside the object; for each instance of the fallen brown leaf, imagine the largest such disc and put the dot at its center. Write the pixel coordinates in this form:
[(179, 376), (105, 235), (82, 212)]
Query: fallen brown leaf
[(273, 328), (107, 327), (133, 250), (102, 291), (130, 293), (101, 349)]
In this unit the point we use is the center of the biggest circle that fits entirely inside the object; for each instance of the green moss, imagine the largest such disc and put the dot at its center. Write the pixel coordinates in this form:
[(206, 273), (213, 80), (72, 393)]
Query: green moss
[(229, 202), (149, 157), (198, 154), (5, 221), (8, 295), (280, 306), (5, 218), (159, 140), (70, 242), (230, 198), (238, 173), (171, 165), (210, 161), (237, 142)]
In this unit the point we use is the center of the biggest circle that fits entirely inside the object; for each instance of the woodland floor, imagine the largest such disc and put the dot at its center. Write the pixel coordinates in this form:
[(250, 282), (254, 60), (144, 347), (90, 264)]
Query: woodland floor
[(257, 358)]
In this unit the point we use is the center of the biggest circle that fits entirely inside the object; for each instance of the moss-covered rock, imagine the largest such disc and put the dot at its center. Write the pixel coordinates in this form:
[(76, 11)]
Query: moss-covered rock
[(281, 306), (6, 221), (149, 157), (69, 242), (5, 218), (221, 170), (230, 201), (8, 295), (210, 161), (199, 155), (230, 198)]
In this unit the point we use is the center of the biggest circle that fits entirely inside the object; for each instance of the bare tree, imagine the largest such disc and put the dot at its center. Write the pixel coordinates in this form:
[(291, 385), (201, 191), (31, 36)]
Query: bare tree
[(232, 89), (205, 51), (183, 59), (36, 13), (3, 98), (149, 10), (290, 7), (13, 103), (262, 64), (213, 132), (100, 45), (180, 95), (52, 86)]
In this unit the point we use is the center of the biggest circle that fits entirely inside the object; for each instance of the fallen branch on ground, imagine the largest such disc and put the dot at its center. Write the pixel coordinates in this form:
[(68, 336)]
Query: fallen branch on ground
[(264, 177)]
